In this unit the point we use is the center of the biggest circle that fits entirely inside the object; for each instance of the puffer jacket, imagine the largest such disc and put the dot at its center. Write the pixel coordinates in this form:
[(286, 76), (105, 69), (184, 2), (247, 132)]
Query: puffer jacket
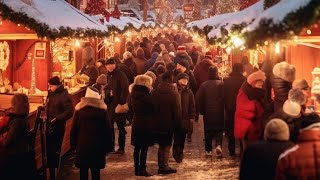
[(183, 56), (281, 90), (303, 160)]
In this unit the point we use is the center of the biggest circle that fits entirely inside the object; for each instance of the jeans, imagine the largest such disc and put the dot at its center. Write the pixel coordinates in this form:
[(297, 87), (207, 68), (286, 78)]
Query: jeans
[(122, 134)]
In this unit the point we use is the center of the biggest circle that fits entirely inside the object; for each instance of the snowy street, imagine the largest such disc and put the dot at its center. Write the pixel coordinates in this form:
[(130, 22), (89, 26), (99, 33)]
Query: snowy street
[(194, 166)]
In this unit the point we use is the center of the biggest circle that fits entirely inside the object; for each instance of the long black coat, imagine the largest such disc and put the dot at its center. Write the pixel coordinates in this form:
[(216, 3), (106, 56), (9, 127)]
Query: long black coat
[(232, 85), (59, 106), (210, 99), (187, 106), (167, 116), (118, 84), (91, 133), (281, 90), (260, 159), (92, 72), (141, 104)]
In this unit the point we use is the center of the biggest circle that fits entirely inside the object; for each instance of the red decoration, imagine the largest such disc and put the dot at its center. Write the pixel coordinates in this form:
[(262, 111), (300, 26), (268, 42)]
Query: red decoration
[(246, 3), (95, 7), (116, 13), (107, 15)]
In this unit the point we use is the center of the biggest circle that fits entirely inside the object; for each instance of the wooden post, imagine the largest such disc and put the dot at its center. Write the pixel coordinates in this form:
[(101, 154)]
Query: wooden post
[(145, 10)]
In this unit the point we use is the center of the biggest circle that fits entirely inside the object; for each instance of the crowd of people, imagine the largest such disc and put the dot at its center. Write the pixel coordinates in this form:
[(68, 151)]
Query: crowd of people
[(161, 87)]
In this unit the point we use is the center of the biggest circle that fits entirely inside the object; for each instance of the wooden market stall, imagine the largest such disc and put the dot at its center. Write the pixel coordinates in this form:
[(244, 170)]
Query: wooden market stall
[(37, 43)]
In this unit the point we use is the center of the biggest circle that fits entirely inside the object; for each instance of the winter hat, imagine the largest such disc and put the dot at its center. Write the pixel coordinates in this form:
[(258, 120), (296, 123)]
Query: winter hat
[(284, 71), (158, 63), (172, 54), (258, 75), (151, 74), (309, 121), (143, 80), (110, 61), (92, 93), (136, 44), (276, 129), (300, 84), (140, 52), (127, 55), (167, 77), (154, 55), (208, 55), (182, 76), (292, 108), (184, 63), (171, 66), (160, 69), (181, 49), (237, 67), (102, 79), (296, 95), (54, 81), (213, 72), (102, 61)]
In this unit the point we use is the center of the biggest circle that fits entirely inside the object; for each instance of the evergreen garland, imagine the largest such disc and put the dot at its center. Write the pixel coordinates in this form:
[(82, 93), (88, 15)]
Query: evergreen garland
[(269, 3), (43, 30)]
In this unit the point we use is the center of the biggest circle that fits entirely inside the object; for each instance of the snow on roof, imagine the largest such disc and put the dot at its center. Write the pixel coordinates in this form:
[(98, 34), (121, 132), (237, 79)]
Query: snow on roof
[(229, 19), (55, 14), (278, 12)]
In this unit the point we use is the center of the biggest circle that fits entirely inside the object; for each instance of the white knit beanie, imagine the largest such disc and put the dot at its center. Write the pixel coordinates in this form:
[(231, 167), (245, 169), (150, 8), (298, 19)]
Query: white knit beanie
[(291, 108)]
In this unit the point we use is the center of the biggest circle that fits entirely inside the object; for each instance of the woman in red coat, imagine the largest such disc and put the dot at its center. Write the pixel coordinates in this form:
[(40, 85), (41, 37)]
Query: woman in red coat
[(250, 108)]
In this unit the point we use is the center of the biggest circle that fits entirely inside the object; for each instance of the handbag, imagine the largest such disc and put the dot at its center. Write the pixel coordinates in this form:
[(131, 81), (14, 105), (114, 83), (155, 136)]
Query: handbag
[(120, 109)]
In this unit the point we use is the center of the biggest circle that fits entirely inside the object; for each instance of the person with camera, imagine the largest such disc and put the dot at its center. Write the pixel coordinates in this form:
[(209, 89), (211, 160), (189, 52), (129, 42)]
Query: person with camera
[(19, 161), (59, 110)]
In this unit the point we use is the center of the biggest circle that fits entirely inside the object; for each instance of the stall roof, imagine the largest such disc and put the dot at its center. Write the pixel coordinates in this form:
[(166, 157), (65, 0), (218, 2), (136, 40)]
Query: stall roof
[(51, 18)]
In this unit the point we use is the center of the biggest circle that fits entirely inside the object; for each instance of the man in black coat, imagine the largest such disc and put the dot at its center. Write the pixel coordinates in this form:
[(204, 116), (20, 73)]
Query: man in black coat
[(166, 119), (59, 110), (90, 70), (117, 93), (183, 67), (210, 99), (188, 115), (232, 85)]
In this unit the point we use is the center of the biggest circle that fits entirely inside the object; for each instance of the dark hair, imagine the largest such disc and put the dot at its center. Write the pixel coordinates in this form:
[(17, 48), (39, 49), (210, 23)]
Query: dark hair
[(168, 77), (20, 104)]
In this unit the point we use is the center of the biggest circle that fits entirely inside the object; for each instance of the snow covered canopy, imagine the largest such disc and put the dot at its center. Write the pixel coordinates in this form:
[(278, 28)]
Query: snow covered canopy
[(255, 24), (51, 19)]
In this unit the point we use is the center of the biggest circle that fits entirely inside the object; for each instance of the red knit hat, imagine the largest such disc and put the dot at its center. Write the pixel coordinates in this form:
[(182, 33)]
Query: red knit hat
[(182, 48)]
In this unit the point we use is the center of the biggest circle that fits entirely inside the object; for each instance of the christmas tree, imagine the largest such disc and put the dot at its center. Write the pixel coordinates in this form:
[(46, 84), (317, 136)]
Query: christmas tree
[(227, 6), (95, 7)]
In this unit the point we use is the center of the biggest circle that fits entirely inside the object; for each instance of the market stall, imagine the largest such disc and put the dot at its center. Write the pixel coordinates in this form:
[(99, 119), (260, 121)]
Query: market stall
[(37, 43)]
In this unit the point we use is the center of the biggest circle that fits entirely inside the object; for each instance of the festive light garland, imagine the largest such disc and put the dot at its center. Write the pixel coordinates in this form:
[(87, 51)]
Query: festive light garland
[(43, 30), (291, 25)]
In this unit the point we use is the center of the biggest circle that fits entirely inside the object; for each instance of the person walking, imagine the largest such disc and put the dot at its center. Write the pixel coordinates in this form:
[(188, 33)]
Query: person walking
[(232, 85), (116, 94), (59, 110), (166, 119), (210, 97), (188, 115), (141, 105), (90, 134)]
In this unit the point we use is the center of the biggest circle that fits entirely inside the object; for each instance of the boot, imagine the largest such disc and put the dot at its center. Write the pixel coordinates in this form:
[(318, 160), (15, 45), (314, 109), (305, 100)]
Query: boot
[(166, 170), (144, 172), (137, 171)]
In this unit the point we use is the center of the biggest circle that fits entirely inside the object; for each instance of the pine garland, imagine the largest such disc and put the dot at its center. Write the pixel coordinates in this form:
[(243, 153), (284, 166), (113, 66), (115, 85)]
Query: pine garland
[(43, 30)]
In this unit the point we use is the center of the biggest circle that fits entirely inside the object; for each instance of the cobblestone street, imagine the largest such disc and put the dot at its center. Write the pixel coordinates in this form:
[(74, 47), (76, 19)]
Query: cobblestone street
[(194, 166)]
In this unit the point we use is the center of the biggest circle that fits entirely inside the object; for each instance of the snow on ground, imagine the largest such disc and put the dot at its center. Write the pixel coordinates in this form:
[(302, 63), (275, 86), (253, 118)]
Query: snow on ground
[(55, 14), (278, 12), (195, 166)]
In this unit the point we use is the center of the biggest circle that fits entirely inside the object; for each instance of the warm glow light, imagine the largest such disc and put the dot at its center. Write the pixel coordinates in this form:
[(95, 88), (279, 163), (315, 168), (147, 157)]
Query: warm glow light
[(237, 42), (277, 48), (266, 43), (117, 39), (18, 25), (0, 23), (228, 50), (105, 40), (309, 31), (77, 43)]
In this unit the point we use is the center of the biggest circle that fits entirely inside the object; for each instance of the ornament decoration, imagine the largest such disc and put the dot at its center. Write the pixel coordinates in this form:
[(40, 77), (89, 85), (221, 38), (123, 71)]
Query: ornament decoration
[(4, 55)]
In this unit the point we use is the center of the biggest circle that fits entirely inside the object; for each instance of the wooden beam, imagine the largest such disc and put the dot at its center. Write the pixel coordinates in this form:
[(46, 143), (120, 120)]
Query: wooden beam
[(18, 36), (307, 39)]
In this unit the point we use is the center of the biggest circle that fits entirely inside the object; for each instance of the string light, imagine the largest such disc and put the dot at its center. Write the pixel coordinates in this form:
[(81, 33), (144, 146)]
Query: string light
[(309, 31), (277, 48), (266, 43), (77, 43)]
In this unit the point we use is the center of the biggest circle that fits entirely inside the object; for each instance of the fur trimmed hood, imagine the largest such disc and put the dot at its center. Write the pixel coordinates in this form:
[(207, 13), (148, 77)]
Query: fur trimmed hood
[(93, 102)]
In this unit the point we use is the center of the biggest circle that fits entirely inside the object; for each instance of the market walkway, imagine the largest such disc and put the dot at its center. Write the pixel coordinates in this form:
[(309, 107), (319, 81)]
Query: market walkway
[(194, 166)]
